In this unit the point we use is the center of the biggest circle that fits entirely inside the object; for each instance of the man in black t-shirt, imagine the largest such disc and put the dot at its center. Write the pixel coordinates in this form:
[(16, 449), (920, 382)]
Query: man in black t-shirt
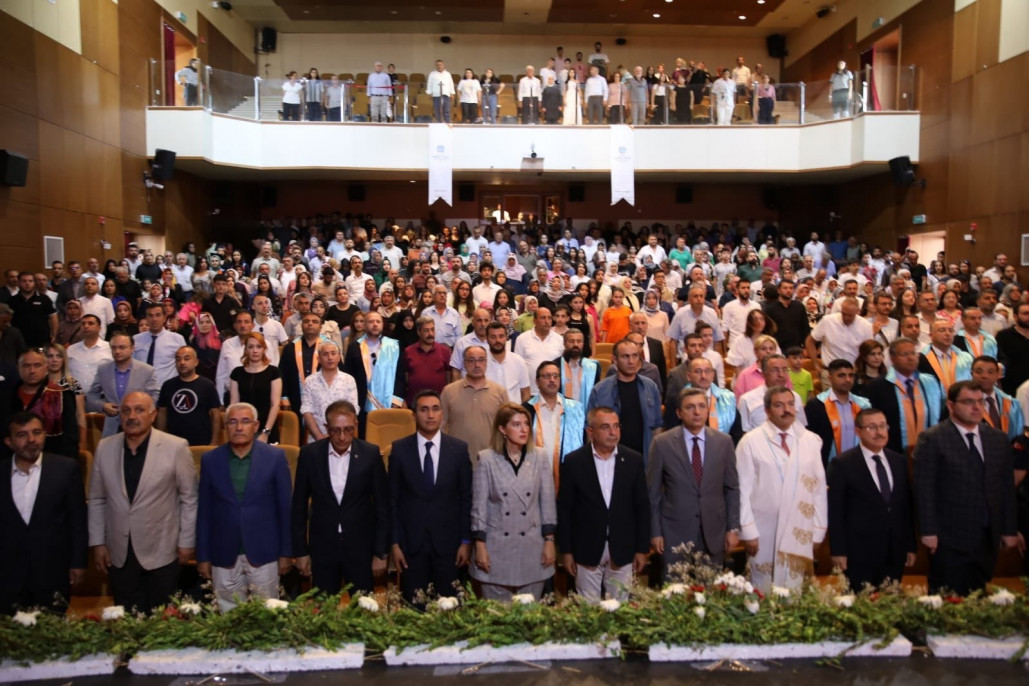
[(33, 314), (188, 405), (222, 306), (342, 312)]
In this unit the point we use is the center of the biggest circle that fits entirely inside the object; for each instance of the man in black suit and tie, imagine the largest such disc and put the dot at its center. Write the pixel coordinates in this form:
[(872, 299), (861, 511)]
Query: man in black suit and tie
[(694, 486), (603, 512), (871, 523), (965, 494), (430, 487), (43, 517), (653, 349), (341, 481)]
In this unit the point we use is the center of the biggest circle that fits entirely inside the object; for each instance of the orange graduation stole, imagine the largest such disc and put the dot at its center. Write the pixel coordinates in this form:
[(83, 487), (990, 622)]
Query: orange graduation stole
[(834, 420), (712, 412), (946, 373), (556, 457), (914, 415)]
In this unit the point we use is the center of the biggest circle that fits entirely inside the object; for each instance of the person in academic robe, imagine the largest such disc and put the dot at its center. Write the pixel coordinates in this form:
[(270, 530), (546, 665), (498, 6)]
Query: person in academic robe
[(373, 361), (831, 413), (559, 423)]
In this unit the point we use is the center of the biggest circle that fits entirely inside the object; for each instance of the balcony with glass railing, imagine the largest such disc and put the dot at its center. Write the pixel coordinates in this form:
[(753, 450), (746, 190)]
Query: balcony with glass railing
[(243, 122)]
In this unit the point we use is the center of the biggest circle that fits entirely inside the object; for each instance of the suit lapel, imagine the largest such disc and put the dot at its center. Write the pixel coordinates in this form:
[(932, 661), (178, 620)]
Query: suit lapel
[(47, 486), (324, 478), (684, 456), (150, 465), (528, 465), (594, 479), (356, 462), (7, 497)]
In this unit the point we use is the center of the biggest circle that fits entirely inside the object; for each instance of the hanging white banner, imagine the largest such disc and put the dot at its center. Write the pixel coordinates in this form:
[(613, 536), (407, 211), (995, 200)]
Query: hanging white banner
[(623, 166), (441, 163)]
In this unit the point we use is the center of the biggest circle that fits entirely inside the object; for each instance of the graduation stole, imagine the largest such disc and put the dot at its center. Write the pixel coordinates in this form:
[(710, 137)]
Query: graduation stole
[(833, 411), (946, 374), (555, 460), (380, 384), (1005, 414), (913, 417), (975, 345), (721, 409)]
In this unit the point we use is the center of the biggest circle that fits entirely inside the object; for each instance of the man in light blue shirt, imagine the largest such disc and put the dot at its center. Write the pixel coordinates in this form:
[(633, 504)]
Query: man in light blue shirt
[(380, 87)]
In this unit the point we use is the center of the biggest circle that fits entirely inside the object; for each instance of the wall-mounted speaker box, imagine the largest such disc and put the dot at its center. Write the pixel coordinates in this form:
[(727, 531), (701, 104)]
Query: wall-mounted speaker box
[(903, 172), (14, 168), (269, 39), (163, 166)]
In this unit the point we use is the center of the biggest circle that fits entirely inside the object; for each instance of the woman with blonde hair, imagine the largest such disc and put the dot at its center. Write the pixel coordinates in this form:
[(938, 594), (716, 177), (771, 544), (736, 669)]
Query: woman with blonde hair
[(57, 374), (259, 383), (752, 377), (514, 511)]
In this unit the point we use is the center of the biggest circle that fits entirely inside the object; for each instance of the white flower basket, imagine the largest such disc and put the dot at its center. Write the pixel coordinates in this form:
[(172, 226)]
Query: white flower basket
[(976, 647), (662, 652), (461, 654), (90, 665), (199, 661)]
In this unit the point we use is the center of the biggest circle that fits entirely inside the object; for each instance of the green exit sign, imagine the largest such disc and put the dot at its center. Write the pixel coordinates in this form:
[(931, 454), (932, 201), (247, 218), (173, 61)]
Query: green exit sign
[(918, 219), (146, 219)]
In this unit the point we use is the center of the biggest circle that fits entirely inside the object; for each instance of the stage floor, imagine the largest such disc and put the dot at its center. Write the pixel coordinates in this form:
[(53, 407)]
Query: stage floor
[(634, 671)]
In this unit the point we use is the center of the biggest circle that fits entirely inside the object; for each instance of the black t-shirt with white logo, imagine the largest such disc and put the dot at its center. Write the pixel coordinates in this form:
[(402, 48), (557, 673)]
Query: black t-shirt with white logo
[(189, 405)]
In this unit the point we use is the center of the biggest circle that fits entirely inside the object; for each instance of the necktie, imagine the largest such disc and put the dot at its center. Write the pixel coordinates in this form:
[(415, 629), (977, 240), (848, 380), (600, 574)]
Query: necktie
[(153, 349), (910, 385), (427, 471), (974, 451), (994, 415), (785, 446), (884, 480), (698, 468)]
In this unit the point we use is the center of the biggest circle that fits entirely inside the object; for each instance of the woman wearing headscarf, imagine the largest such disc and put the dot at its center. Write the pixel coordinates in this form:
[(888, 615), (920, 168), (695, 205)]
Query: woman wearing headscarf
[(554, 294)]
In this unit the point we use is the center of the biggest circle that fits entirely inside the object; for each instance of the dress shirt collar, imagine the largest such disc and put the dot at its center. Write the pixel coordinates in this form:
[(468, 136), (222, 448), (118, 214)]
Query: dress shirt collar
[(344, 455), (869, 454), (941, 354), (964, 435), (422, 440), (688, 436), (36, 466), (596, 455), (836, 398)]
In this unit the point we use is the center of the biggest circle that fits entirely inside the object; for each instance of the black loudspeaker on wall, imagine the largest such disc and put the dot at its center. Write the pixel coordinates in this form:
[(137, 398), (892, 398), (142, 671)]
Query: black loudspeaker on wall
[(576, 192), (777, 45), (269, 38), (903, 172), (355, 192), (466, 192), (14, 168), (683, 194), (163, 166)]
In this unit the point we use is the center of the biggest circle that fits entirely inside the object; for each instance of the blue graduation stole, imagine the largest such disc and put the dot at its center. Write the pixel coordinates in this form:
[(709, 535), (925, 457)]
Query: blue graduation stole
[(573, 423), (380, 383), (932, 393), (589, 371)]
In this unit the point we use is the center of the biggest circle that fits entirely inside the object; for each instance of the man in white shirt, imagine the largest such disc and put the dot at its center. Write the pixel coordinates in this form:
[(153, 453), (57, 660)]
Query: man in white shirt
[(380, 87), (840, 334), (529, 91), (274, 333), (596, 96), (157, 346), (183, 272), (651, 249), (850, 290), (723, 92), (742, 77), (231, 355), (96, 304), (734, 314), (505, 368), (685, 320), (440, 86), (486, 291), (477, 243), (391, 252), (480, 322), (93, 270), (539, 344), (1000, 261), (751, 405), (287, 275), (790, 251), (548, 72), (816, 250), (500, 249), (92, 351), (355, 281), (266, 257)]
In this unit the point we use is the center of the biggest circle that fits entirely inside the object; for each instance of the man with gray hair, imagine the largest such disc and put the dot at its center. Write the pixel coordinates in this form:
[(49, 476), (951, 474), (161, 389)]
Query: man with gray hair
[(424, 365), (266, 257), (447, 320), (243, 513), (380, 87), (751, 405)]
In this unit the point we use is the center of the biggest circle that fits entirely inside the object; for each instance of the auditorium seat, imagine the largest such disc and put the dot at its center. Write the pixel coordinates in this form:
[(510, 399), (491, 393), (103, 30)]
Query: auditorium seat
[(289, 427), (605, 364), (701, 114), (603, 349), (94, 430), (388, 425), (86, 465)]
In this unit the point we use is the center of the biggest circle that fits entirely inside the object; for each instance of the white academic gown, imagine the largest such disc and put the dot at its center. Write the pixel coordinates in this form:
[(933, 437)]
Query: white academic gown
[(783, 503)]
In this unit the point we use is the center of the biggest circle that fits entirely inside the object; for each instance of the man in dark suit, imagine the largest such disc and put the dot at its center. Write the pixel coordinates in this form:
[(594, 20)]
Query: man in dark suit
[(653, 349), (341, 482), (694, 487), (603, 512), (243, 513), (430, 488), (43, 517), (832, 414), (965, 494), (871, 523)]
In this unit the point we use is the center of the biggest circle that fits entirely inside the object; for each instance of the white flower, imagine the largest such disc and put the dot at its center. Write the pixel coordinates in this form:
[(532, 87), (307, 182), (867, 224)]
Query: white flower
[(113, 612), (275, 604), (699, 598), (523, 599), (447, 604), (190, 608), (1002, 597), (699, 611), (369, 604), (933, 601), (844, 601), (610, 604), (748, 587), (752, 606), (780, 592), (673, 589), (29, 618)]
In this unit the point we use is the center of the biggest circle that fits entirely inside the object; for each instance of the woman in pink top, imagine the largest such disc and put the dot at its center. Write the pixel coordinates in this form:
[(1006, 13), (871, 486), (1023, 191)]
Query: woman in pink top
[(751, 377)]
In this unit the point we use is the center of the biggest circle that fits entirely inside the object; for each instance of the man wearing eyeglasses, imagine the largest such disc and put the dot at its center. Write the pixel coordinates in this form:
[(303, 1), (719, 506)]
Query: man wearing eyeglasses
[(340, 514), (871, 523), (965, 494), (243, 513)]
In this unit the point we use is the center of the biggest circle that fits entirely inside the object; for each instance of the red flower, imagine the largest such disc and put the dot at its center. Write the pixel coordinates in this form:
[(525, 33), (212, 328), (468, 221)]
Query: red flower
[(92, 618), (170, 612), (699, 589), (954, 600), (722, 587), (316, 610), (874, 597), (760, 595)]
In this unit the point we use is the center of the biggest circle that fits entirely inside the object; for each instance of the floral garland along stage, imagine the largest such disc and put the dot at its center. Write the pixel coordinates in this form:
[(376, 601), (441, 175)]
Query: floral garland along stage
[(724, 617)]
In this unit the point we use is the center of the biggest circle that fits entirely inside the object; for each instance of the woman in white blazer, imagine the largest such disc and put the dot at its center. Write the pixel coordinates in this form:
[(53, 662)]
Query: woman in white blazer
[(514, 511)]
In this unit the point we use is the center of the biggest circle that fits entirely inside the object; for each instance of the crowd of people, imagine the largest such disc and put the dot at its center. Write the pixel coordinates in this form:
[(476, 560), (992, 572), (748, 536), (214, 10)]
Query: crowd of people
[(564, 91), (603, 399)]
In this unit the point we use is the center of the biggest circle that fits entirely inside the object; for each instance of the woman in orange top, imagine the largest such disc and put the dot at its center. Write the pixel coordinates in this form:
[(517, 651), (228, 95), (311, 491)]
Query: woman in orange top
[(614, 325)]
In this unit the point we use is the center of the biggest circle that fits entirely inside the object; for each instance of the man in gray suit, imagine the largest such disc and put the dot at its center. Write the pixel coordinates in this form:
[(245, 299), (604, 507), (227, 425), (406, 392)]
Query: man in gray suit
[(142, 507), (115, 380), (693, 484)]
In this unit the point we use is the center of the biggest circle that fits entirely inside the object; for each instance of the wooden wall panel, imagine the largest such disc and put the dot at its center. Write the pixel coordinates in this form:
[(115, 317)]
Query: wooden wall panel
[(987, 35), (18, 47), (964, 43), (99, 19), (18, 132), (1007, 186), (24, 97), (19, 225), (110, 104), (961, 113), (90, 97)]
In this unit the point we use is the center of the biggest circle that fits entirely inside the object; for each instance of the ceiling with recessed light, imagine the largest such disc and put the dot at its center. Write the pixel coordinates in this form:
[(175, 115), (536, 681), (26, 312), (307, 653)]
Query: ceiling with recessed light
[(551, 17)]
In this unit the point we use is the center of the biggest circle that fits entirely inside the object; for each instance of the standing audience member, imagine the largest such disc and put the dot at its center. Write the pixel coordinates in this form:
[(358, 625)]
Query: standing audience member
[(115, 380), (157, 346), (54, 404), (471, 404), (832, 414), (323, 388), (188, 405), (424, 365), (86, 356), (142, 530), (636, 398)]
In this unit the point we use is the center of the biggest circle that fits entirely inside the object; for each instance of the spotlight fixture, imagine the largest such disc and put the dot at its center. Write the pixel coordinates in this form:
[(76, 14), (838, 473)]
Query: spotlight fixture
[(656, 15), (743, 17), (823, 12), (620, 41), (445, 39)]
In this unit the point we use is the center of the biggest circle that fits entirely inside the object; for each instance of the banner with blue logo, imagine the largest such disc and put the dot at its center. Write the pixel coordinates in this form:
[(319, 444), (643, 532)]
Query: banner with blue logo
[(441, 163)]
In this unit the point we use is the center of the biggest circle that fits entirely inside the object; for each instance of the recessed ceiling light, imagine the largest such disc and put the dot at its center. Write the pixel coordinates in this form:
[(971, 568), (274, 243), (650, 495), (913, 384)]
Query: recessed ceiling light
[(393, 12), (669, 0), (760, 2), (612, 15), (438, 12), (743, 17), (656, 15), (307, 11)]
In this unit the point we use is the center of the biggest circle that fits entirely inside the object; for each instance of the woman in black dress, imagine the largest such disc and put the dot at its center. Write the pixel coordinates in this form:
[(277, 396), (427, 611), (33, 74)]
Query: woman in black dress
[(259, 383)]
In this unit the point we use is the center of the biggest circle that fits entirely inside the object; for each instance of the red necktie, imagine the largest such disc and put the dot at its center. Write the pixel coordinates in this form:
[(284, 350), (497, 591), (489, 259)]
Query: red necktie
[(785, 447), (698, 468)]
